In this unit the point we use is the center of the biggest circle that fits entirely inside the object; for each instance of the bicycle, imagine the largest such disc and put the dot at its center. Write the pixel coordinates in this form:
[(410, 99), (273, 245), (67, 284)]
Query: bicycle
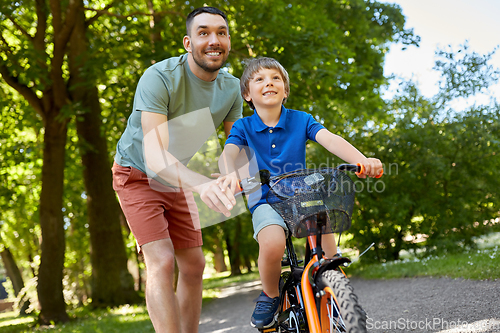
[(317, 296)]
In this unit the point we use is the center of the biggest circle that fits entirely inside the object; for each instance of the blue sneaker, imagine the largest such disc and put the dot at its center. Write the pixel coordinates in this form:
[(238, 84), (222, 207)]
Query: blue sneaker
[(264, 315)]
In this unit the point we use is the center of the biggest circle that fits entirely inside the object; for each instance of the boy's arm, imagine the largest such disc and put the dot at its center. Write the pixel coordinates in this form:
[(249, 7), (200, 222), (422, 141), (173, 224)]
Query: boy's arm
[(347, 152), (227, 167)]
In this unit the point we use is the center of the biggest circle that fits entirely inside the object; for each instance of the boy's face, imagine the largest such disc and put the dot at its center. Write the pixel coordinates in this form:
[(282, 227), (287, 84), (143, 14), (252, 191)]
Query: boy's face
[(266, 89)]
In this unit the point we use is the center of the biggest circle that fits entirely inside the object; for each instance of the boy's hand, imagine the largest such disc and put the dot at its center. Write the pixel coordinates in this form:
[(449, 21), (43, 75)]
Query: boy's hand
[(217, 200), (373, 168), (229, 183)]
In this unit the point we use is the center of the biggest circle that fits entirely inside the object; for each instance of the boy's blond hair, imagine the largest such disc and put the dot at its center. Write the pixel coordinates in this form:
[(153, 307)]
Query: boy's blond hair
[(256, 64)]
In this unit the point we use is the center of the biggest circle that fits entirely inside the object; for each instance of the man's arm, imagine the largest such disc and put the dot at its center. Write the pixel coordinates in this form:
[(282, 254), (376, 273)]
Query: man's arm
[(167, 167), (347, 152)]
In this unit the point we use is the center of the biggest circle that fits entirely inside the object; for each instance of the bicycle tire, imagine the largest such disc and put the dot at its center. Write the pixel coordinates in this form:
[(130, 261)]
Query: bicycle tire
[(352, 317)]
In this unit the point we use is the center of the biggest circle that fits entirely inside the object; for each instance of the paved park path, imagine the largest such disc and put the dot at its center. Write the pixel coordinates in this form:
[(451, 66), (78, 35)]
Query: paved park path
[(401, 305)]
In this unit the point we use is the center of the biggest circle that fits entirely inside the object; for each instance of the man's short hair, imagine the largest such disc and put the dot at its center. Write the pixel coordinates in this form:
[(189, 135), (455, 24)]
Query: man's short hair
[(201, 10), (256, 64)]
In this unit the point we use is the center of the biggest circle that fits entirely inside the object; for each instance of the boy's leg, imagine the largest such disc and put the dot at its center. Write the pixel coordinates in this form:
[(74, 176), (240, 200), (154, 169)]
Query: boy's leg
[(269, 231), (272, 242)]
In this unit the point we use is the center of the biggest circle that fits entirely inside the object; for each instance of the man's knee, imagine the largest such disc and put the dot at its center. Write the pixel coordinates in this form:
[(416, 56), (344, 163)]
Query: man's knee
[(159, 257), (191, 263)]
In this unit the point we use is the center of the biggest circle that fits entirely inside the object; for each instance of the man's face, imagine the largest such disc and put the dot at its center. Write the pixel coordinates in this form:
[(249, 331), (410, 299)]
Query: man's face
[(209, 42)]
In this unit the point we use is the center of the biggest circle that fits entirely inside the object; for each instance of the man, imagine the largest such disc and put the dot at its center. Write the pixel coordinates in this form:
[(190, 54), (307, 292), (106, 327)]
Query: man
[(176, 101)]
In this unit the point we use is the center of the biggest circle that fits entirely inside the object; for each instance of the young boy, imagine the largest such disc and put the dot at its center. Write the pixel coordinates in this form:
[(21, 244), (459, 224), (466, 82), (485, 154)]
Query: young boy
[(277, 136)]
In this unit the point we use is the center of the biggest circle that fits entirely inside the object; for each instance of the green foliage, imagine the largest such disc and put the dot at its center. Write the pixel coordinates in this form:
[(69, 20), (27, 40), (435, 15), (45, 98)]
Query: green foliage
[(20, 162), (441, 180)]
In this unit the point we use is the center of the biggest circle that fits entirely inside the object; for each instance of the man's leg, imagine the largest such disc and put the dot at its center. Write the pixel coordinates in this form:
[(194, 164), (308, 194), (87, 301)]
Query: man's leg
[(191, 263), (161, 301)]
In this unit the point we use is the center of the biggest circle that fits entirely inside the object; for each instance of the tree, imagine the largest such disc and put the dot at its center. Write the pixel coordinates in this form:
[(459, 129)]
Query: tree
[(49, 92), (437, 191), (46, 91), (112, 284), (19, 193)]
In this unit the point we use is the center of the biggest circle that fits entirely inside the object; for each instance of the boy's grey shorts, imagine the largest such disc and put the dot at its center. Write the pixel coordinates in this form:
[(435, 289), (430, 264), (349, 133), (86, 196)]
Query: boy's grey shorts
[(263, 216)]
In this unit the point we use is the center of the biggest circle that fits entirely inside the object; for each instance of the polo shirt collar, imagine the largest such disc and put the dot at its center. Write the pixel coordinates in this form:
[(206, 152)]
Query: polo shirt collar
[(260, 126)]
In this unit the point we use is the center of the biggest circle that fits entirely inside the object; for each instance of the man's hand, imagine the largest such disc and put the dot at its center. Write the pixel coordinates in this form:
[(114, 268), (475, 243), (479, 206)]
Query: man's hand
[(215, 198), (373, 168)]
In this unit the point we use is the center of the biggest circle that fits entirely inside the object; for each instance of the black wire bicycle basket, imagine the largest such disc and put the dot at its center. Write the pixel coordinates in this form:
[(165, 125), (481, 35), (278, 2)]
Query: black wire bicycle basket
[(301, 195)]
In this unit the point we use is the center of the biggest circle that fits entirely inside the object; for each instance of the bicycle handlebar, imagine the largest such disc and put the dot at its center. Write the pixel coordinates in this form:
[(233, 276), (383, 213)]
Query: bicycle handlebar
[(263, 177)]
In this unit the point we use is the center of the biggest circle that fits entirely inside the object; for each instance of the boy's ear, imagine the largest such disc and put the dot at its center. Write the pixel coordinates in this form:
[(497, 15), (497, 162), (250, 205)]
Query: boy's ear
[(247, 98)]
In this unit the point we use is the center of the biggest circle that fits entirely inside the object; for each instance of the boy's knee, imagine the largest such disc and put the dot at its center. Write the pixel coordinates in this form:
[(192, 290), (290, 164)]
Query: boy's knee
[(272, 250)]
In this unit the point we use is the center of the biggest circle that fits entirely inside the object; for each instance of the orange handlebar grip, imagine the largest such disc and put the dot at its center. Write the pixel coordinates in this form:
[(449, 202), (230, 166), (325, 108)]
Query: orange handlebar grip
[(361, 170)]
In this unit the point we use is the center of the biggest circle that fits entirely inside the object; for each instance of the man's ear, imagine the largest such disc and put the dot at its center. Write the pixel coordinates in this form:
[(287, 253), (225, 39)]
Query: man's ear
[(187, 43)]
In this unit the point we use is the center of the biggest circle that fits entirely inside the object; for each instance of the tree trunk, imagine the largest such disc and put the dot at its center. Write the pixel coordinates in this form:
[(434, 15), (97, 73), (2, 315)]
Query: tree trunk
[(219, 263), (15, 277), (233, 249), (112, 283), (50, 273)]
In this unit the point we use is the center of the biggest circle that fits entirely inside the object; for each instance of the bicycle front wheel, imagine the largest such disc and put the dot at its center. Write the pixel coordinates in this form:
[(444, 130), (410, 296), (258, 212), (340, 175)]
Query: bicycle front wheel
[(339, 310)]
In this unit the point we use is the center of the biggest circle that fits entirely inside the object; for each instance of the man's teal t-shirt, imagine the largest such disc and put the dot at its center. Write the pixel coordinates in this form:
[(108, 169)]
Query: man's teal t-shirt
[(195, 108)]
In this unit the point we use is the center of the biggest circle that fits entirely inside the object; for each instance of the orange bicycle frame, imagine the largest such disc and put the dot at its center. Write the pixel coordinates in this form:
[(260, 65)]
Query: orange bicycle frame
[(313, 319)]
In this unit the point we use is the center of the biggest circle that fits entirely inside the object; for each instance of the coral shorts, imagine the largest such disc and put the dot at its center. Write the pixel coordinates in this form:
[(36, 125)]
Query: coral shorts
[(154, 211)]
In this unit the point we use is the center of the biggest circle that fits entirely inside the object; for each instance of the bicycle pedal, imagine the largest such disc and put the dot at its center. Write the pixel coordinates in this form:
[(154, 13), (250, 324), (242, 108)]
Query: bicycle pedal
[(269, 330)]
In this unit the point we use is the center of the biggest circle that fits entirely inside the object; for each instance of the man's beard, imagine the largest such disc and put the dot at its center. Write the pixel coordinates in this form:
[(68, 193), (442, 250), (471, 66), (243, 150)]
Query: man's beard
[(208, 66)]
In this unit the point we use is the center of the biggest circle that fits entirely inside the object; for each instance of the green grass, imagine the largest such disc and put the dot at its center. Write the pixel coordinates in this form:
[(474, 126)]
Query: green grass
[(125, 319), (482, 264)]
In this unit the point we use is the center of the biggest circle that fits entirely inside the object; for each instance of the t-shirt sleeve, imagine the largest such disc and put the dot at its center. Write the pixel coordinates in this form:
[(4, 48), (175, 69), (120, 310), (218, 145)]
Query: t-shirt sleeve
[(152, 93), (313, 127), (237, 135)]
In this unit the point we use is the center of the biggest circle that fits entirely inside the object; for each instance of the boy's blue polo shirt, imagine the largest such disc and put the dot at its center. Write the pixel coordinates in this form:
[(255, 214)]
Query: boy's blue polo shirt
[(278, 149)]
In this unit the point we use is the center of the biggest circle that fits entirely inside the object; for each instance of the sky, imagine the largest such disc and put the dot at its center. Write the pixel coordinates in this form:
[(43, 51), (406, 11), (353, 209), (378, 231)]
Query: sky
[(440, 23)]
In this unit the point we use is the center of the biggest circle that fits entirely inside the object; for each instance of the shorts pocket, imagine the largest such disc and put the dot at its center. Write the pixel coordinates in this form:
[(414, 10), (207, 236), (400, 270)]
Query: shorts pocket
[(121, 175)]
